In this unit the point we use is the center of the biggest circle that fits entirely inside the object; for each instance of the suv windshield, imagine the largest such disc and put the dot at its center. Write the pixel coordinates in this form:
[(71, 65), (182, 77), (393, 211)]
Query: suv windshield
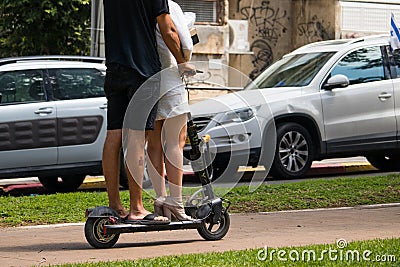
[(292, 71)]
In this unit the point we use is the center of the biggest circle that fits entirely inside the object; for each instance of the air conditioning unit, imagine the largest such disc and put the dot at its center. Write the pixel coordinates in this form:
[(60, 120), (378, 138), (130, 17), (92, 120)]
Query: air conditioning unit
[(238, 36)]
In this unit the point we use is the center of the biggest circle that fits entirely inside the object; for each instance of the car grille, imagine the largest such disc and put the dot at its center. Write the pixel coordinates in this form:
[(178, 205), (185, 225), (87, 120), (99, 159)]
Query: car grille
[(201, 122)]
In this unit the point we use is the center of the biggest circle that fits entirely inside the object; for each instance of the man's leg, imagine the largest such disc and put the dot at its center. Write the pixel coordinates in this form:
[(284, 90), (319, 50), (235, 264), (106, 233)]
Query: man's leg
[(111, 150), (135, 168)]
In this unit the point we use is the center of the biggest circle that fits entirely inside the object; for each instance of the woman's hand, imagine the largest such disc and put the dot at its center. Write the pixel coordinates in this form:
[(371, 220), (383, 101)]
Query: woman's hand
[(187, 69)]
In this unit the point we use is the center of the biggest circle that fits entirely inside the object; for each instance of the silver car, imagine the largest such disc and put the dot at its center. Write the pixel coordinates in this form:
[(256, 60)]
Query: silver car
[(52, 119), (328, 99)]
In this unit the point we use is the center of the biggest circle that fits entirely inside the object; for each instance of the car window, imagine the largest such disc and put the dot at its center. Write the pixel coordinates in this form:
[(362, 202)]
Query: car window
[(21, 86), (295, 70), (396, 57), (362, 66), (76, 83)]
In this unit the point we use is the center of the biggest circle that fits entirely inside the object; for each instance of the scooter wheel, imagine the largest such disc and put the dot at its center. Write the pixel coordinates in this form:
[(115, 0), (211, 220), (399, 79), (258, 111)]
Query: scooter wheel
[(214, 231), (95, 236)]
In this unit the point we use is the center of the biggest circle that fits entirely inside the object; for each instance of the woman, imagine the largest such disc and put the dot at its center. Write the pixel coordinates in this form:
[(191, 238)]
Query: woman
[(166, 141)]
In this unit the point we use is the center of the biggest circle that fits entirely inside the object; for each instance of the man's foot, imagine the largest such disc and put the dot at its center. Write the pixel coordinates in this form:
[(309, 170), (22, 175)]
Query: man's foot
[(121, 212), (142, 216), (149, 219)]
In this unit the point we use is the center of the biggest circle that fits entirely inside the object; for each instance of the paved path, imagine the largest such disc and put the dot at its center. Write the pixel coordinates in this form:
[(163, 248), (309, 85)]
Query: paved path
[(44, 245)]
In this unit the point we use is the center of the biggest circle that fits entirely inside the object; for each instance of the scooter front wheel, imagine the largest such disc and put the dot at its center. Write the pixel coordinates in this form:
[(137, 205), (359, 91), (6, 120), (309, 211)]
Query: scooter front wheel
[(94, 233), (215, 231)]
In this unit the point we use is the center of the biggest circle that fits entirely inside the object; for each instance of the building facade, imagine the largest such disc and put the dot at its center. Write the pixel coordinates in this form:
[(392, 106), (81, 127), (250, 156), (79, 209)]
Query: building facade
[(249, 35)]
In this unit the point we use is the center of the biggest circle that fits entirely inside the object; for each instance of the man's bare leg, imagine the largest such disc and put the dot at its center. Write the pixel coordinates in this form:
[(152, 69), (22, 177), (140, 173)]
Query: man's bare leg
[(111, 150), (135, 168)]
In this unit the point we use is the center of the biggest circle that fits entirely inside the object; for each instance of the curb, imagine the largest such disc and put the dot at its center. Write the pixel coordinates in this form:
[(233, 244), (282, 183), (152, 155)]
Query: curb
[(340, 168)]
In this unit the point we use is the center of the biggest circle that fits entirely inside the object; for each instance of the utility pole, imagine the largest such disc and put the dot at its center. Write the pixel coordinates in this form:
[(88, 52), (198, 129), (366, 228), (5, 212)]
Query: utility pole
[(97, 28)]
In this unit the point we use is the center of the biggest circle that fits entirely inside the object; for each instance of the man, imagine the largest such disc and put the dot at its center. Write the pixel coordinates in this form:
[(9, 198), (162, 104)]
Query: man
[(131, 58)]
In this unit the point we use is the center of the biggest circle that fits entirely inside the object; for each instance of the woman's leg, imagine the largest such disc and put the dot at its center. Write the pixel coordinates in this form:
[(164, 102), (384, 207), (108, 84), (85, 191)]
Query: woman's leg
[(175, 135), (174, 132), (155, 163)]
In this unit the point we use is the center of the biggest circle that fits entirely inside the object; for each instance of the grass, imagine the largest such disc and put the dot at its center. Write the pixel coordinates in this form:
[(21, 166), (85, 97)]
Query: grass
[(387, 251), (70, 207)]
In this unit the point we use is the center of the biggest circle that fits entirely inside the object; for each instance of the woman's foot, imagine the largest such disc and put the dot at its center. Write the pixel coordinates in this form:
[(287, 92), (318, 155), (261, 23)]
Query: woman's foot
[(158, 205), (173, 209)]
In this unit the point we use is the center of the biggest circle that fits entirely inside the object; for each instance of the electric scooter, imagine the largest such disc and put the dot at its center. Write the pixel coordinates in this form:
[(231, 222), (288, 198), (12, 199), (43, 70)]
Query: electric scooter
[(211, 218)]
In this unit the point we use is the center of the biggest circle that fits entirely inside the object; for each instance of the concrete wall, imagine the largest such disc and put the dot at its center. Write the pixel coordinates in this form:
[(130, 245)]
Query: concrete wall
[(314, 20), (269, 32), (277, 27)]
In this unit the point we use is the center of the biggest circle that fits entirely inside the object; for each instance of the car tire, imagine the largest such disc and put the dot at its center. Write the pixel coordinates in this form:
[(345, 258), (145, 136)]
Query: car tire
[(218, 169), (385, 162), (223, 166), (67, 183), (294, 152)]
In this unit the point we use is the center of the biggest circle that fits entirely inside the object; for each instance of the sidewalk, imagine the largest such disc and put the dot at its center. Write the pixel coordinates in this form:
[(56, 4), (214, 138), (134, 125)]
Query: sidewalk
[(57, 244)]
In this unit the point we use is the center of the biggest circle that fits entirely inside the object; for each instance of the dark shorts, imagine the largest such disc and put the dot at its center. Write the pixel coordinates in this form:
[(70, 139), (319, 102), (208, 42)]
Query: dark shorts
[(121, 86)]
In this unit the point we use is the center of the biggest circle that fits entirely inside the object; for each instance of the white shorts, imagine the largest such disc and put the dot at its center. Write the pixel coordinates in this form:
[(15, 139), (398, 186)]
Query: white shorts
[(171, 105)]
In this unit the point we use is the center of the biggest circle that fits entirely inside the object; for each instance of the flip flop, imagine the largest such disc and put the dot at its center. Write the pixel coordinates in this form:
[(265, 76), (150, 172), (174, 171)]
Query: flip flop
[(147, 220)]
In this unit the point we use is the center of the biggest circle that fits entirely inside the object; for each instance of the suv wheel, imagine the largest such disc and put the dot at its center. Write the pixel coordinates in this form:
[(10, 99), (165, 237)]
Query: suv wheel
[(385, 162), (294, 151), (66, 183)]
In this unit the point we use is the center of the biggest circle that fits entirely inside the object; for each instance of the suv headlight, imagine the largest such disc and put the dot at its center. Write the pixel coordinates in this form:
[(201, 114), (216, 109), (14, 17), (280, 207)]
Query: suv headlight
[(238, 115)]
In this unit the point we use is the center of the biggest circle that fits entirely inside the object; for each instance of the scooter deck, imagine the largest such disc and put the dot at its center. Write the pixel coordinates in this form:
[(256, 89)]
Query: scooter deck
[(132, 228)]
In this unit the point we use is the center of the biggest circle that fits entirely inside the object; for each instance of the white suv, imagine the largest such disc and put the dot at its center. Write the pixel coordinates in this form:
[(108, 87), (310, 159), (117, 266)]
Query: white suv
[(53, 119), (328, 99)]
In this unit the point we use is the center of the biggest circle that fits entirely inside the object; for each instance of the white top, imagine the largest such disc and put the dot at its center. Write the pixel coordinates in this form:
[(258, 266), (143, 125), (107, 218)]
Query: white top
[(170, 79), (181, 24)]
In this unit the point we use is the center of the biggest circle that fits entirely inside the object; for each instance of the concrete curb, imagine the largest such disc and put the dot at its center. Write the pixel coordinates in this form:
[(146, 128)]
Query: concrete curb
[(340, 168)]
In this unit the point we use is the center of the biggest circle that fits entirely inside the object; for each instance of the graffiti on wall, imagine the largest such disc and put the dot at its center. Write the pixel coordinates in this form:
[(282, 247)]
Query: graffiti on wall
[(268, 24), (262, 57), (315, 30)]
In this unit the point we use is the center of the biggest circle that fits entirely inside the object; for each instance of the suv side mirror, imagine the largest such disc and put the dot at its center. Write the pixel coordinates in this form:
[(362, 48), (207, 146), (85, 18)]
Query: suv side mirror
[(337, 81), (1, 97)]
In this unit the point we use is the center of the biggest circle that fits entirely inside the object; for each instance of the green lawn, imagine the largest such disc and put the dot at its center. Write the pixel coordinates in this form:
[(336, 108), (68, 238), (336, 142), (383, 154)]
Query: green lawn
[(70, 207), (364, 253)]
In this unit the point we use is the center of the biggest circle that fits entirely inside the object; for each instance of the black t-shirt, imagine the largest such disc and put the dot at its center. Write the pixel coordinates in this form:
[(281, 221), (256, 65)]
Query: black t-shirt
[(129, 30)]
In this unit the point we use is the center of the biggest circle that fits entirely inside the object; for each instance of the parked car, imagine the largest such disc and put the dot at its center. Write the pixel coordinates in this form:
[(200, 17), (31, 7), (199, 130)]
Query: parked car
[(53, 119), (328, 99)]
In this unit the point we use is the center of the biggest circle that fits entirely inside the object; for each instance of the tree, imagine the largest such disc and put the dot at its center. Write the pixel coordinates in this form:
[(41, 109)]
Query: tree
[(44, 27)]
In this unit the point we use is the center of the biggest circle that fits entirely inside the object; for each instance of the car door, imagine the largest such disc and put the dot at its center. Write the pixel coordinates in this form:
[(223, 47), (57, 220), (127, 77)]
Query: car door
[(360, 116), (81, 113), (396, 86), (28, 136)]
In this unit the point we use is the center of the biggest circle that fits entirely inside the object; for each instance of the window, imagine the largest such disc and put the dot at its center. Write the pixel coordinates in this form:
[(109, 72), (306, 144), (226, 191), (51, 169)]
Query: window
[(396, 57), (21, 86), (206, 11), (76, 83), (293, 71), (362, 66)]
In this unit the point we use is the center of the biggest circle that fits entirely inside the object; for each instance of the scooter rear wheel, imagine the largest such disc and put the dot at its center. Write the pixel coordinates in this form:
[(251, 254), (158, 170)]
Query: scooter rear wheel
[(94, 233), (210, 231)]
